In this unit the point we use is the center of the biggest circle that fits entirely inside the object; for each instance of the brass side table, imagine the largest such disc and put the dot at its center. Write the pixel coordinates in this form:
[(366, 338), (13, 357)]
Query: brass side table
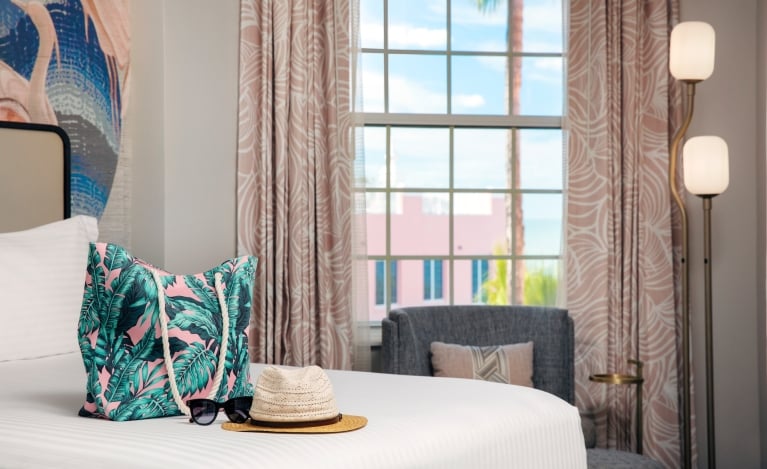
[(615, 378)]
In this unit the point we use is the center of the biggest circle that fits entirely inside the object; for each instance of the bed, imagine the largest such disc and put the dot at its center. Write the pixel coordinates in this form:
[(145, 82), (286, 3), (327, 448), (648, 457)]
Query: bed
[(413, 421)]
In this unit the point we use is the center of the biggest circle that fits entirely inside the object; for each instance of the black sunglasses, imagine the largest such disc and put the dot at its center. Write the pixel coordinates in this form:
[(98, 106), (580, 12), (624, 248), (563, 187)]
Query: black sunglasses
[(204, 411)]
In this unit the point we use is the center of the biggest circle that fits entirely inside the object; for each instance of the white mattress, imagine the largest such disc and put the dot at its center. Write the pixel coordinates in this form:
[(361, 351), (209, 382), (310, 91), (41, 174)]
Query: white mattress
[(414, 422)]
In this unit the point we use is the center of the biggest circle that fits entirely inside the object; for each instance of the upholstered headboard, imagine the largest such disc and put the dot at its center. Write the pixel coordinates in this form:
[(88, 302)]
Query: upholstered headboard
[(34, 175)]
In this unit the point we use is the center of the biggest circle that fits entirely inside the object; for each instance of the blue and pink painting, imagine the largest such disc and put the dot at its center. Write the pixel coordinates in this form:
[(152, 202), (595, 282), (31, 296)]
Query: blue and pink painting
[(66, 63)]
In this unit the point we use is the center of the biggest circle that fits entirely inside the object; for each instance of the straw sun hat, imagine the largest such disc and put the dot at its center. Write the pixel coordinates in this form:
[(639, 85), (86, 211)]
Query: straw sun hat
[(296, 400)]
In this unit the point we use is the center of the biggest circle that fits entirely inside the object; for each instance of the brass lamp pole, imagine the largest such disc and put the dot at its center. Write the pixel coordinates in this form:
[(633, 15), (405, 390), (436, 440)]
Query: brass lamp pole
[(706, 174), (691, 60), (685, 275)]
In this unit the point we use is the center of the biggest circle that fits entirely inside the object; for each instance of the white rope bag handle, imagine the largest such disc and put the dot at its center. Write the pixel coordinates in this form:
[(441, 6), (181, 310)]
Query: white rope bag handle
[(166, 346)]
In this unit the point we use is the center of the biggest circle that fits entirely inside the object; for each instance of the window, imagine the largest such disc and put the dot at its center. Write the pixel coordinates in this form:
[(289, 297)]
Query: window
[(432, 279), (464, 158), (479, 275), (382, 286)]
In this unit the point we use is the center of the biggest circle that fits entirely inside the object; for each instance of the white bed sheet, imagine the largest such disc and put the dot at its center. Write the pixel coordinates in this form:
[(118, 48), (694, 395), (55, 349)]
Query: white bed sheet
[(414, 422)]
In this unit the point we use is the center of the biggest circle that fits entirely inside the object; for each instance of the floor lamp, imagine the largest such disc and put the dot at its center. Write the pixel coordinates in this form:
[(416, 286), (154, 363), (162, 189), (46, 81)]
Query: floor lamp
[(707, 174), (691, 60)]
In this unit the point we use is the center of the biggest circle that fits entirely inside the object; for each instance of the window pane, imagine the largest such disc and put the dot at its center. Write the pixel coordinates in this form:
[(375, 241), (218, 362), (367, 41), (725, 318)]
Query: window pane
[(481, 156), (380, 285), (394, 281), (427, 272), (376, 310), (419, 224), (417, 25), (542, 26), (432, 279), (420, 158), (417, 83), (542, 215), (371, 24), (481, 280), (480, 224), (541, 90), (374, 141), (479, 85), (373, 79), (541, 281), (476, 30), (541, 157), (438, 280)]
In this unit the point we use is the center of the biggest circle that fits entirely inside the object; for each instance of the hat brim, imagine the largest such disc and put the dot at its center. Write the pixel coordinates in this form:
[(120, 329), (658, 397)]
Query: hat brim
[(346, 424)]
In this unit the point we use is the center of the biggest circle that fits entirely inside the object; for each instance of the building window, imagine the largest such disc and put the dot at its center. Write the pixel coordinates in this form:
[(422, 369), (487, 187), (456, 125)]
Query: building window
[(382, 286), (462, 109), (479, 275), (432, 279)]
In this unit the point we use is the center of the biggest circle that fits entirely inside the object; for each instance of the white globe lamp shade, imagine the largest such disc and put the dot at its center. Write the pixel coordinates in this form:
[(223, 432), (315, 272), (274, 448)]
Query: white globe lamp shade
[(691, 54), (706, 165)]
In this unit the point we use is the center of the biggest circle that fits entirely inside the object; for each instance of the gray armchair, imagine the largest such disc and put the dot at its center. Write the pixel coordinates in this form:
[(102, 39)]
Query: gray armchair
[(407, 334)]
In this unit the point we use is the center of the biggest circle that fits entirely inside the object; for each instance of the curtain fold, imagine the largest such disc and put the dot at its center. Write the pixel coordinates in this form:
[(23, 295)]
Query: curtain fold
[(295, 186), (622, 249)]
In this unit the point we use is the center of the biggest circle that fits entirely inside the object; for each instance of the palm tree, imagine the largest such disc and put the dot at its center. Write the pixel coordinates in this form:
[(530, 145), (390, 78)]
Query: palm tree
[(540, 287), (487, 5), (495, 290), (515, 229)]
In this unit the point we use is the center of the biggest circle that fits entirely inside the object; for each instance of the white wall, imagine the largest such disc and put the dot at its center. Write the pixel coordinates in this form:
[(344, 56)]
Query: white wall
[(144, 127), (184, 131), (726, 105), (183, 134)]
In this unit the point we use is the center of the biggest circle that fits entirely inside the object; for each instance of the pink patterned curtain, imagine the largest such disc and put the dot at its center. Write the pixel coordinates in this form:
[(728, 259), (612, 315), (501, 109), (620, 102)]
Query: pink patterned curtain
[(623, 108), (295, 179)]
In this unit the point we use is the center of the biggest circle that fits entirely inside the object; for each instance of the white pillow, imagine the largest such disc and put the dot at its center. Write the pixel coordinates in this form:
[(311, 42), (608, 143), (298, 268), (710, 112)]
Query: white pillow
[(42, 275)]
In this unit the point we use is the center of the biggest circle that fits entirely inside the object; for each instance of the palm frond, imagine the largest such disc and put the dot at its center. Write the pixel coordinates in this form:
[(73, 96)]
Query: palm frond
[(487, 5)]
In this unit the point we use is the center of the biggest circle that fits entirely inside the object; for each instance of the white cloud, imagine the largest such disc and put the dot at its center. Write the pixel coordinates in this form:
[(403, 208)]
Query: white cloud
[(406, 96), (470, 101), (405, 36)]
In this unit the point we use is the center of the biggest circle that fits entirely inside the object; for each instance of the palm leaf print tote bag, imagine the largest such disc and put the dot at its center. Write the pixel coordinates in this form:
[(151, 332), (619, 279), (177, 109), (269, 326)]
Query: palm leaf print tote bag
[(151, 340)]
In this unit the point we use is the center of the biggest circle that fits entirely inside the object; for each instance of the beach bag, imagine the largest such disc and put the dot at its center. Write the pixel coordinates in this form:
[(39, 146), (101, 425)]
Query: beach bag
[(151, 340)]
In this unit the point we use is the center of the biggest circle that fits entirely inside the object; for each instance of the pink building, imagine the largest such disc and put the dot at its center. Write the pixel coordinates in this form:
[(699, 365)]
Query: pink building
[(420, 234)]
